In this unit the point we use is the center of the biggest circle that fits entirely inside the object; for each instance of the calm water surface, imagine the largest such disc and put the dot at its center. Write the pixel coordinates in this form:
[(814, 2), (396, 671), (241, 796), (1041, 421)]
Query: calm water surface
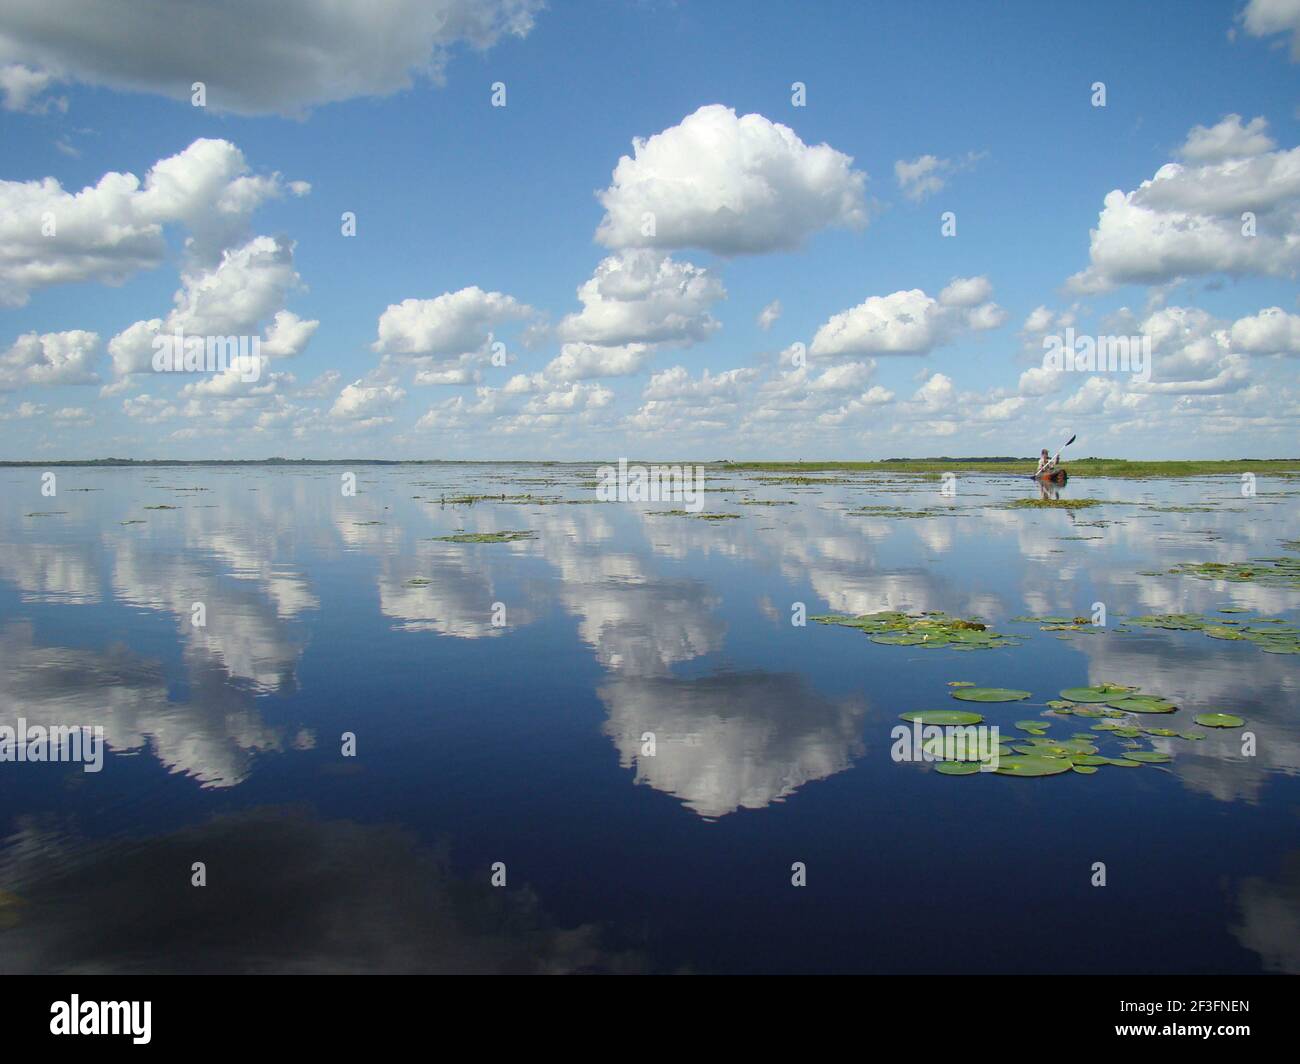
[(521, 742)]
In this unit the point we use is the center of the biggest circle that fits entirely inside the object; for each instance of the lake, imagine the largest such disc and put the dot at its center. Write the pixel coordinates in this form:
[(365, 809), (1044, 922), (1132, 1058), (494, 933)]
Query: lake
[(606, 744)]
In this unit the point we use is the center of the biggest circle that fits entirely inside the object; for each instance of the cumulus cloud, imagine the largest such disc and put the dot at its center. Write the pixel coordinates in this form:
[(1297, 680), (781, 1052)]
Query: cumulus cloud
[(1264, 18), (1228, 139), (677, 383), (108, 232), (728, 184), (639, 297), (937, 393), (248, 287), (50, 358), (908, 322), (570, 399), (577, 362), (451, 324), (1270, 332), (367, 404), (254, 57), (1038, 381), (1188, 221)]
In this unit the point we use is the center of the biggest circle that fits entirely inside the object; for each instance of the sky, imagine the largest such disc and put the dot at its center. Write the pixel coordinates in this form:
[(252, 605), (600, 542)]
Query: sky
[(513, 230)]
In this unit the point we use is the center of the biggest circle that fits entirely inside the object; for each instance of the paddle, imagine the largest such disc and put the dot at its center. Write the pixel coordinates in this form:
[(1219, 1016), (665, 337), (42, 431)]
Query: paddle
[(1034, 476), (1063, 447)]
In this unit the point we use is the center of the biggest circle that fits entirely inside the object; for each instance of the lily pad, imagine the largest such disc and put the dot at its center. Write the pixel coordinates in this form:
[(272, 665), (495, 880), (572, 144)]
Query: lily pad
[(1143, 704), (958, 768), (1218, 720), (1150, 757), (1100, 693), (1031, 765), (941, 717), (989, 694)]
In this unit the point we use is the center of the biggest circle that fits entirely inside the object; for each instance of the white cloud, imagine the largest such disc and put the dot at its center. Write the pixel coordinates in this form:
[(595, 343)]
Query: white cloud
[(1271, 331), (1228, 139), (369, 404), (677, 383), (936, 394), (1099, 395), (1188, 221), (966, 292), (768, 315), (577, 362), (248, 287), (1263, 18), (449, 325), (50, 358), (928, 174), (1037, 381), (245, 289), (571, 399), (288, 335), (255, 57), (643, 296), (108, 232), (908, 322), (731, 185), (21, 88)]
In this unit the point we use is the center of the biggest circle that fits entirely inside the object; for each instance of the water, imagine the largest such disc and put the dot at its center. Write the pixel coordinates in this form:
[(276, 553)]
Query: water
[(521, 743)]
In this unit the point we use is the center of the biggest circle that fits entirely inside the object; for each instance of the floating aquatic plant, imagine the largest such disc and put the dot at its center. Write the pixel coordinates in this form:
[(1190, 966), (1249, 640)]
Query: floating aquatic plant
[(936, 629), (486, 537), (1218, 720), (941, 717), (989, 694)]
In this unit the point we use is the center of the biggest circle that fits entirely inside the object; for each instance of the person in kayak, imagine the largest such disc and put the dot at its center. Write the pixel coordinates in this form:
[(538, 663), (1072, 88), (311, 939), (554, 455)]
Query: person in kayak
[(1045, 463)]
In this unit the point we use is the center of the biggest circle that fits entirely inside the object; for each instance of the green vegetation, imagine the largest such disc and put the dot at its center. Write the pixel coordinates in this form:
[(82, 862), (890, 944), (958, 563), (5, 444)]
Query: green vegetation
[(1052, 504), (989, 694), (700, 516), (486, 537), (1040, 754), (1272, 635), (1273, 572), (925, 630)]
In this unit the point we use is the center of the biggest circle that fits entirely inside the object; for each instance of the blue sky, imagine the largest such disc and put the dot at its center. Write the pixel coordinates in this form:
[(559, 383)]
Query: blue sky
[(488, 220)]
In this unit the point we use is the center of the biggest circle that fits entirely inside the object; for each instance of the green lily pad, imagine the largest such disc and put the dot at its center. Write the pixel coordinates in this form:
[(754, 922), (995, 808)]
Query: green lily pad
[(898, 639), (1083, 770), (1031, 765), (941, 717), (958, 768), (1151, 757), (989, 694), (1143, 704), (1100, 693), (1218, 720)]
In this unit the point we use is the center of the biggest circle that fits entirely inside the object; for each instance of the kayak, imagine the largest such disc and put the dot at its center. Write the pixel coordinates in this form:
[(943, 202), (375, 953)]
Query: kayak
[(1053, 476)]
